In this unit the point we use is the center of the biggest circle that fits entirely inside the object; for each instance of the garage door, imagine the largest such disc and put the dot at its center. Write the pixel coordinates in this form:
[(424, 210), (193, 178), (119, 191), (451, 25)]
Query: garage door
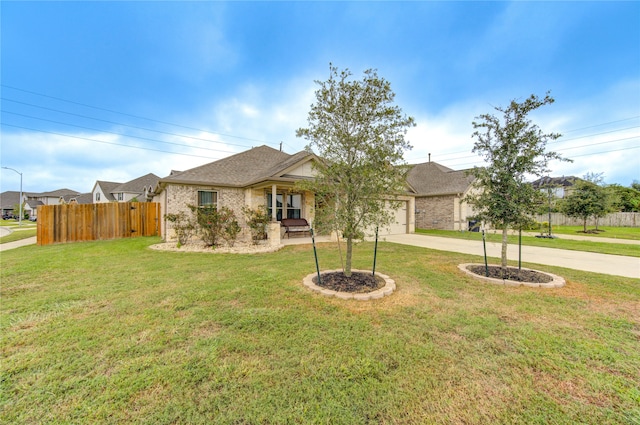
[(399, 223)]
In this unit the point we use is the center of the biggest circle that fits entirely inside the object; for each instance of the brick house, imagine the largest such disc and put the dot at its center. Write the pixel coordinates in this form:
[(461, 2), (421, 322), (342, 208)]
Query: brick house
[(438, 192), (251, 179)]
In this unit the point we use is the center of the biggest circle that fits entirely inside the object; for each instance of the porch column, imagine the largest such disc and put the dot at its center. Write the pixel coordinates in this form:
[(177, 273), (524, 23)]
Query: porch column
[(274, 203), (284, 203)]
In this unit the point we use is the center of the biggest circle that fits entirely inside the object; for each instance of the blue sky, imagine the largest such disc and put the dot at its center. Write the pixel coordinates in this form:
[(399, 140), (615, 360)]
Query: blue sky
[(114, 90)]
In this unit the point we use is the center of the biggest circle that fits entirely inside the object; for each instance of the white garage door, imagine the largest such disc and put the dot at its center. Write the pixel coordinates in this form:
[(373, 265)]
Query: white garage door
[(399, 223)]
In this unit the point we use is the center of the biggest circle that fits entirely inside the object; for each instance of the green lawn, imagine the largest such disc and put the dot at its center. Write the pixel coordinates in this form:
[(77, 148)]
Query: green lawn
[(604, 232), (15, 223), (581, 245), (112, 332), (17, 235)]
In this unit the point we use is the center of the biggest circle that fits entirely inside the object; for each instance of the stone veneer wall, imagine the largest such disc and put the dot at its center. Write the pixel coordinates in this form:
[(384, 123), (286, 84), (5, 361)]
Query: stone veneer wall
[(179, 197)]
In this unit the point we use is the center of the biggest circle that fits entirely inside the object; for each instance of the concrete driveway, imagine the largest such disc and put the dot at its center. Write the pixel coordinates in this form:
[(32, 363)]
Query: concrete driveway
[(617, 265)]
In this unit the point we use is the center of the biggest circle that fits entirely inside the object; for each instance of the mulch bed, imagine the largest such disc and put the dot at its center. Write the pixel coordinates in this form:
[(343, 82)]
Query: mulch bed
[(511, 273), (357, 283)]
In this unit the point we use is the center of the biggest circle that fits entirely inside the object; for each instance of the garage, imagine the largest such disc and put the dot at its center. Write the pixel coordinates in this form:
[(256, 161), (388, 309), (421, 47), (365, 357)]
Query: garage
[(399, 223)]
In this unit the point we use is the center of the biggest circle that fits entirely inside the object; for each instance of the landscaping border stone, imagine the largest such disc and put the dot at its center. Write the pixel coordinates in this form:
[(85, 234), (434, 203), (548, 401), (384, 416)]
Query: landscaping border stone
[(387, 289), (557, 282)]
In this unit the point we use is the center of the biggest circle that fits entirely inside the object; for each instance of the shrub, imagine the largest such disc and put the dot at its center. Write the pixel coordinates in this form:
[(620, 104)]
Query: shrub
[(215, 224), (231, 228), (182, 225), (257, 221)]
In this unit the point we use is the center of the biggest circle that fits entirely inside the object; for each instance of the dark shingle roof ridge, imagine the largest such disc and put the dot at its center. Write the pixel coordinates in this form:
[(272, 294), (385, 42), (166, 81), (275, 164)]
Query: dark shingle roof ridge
[(59, 192), (278, 168), (431, 178), (138, 184), (432, 164), (564, 181), (236, 170)]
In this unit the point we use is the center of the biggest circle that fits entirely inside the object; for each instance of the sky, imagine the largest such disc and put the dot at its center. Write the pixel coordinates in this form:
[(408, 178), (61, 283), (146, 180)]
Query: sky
[(115, 90)]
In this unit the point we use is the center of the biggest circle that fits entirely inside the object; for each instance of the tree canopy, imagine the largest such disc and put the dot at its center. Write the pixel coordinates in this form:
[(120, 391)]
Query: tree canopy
[(586, 200), (359, 135), (514, 149)]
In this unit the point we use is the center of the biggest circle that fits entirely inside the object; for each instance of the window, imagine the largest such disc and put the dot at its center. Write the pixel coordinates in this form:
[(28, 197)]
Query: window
[(294, 205), (207, 198), (98, 196), (120, 196)]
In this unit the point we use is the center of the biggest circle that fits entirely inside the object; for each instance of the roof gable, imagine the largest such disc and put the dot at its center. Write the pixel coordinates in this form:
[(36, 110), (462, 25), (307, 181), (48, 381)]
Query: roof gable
[(241, 169), (137, 185), (430, 179)]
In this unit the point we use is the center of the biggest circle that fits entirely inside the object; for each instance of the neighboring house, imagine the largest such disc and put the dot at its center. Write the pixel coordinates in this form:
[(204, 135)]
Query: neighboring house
[(251, 179), (438, 194), (140, 189), (9, 199), (32, 200), (560, 186)]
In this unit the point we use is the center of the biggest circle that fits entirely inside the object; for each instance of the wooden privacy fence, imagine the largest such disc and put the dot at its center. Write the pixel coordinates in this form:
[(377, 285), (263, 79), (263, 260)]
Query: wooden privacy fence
[(88, 222), (619, 219)]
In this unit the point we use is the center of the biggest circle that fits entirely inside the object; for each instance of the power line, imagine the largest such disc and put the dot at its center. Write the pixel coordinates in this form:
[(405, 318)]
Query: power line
[(128, 125), (574, 156), (613, 150), (134, 116), (115, 133), (108, 143), (561, 140), (600, 125), (599, 143)]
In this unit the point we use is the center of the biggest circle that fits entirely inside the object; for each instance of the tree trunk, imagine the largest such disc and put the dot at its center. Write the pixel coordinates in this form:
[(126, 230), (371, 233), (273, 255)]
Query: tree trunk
[(347, 266), (585, 225), (505, 231)]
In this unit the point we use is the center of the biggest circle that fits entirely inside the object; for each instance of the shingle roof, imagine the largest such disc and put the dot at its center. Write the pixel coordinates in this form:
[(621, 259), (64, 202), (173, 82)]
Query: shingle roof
[(33, 203), (107, 188), (555, 182), (240, 170), (58, 193), (430, 179), (8, 199), (137, 185)]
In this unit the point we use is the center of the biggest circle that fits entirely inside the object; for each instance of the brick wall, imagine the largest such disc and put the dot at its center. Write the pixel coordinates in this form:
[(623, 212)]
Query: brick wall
[(179, 197), (435, 212)]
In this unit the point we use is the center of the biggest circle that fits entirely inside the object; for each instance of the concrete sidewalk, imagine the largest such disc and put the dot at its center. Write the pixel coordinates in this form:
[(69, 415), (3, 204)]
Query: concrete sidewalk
[(17, 244), (617, 265)]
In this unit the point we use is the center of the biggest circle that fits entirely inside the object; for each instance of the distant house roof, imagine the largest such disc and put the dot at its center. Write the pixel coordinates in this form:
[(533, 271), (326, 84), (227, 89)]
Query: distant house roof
[(56, 193), (555, 182), (84, 198), (107, 188), (431, 179), (33, 204), (137, 185), (81, 198), (8, 199), (240, 170)]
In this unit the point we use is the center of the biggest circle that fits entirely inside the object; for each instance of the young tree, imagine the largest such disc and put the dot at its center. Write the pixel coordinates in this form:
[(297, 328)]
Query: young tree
[(514, 149), (586, 200), (359, 135), (605, 194)]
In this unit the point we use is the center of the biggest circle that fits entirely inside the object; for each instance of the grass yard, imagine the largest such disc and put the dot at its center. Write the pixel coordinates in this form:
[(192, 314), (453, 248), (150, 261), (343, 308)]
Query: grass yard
[(15, 223), (112, 332), (605, 232), (18, 235), (574, 245)]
